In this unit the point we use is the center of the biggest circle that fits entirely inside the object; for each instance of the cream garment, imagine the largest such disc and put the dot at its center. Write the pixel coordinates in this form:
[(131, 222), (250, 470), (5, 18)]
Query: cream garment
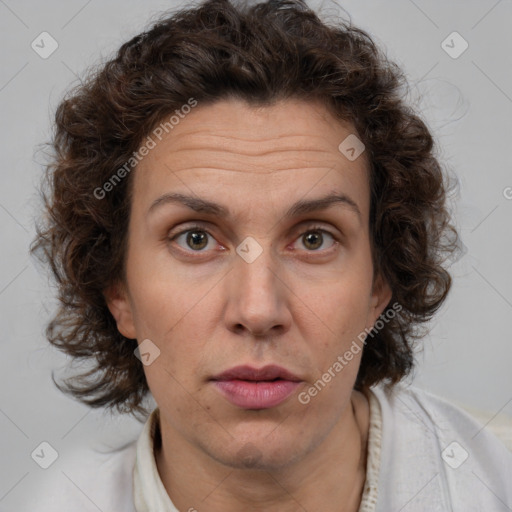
[(433, 457), (150, 494)]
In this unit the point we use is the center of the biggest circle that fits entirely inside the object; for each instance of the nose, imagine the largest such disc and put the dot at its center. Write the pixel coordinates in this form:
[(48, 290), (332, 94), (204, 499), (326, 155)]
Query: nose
[(257, 297)]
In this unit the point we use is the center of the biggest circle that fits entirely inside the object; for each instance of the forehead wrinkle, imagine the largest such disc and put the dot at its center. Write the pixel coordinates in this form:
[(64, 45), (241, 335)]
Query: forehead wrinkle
[(218, 134), (266, 162), (194, 139), (222, 160), (275, 150), (245, 152), (247, 171)]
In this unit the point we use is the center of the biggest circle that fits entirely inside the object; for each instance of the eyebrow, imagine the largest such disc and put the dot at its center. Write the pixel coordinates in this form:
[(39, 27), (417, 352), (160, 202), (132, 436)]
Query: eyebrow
[(301, 207)]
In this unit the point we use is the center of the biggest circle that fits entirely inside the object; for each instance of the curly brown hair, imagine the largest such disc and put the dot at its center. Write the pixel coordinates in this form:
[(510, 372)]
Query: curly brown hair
[(261, 54)]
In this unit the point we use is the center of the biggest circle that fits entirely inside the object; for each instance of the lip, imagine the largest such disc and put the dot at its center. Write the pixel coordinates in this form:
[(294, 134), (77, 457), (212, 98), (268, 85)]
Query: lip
[(256, 388), (268, 372)]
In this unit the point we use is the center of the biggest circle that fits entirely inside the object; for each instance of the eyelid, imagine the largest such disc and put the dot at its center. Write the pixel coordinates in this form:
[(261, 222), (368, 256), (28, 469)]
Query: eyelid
[(198, 225), (302, 227)]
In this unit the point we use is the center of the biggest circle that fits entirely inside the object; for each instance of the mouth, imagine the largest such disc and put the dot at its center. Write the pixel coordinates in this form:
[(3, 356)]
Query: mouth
[(256, 388)]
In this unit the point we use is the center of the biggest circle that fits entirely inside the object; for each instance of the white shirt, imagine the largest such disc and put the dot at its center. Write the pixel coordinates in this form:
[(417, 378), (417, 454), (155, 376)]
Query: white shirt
[(424, 455)]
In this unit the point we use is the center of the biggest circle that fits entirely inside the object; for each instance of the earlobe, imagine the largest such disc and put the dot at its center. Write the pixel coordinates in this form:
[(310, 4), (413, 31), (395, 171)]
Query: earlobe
[(119, 306)]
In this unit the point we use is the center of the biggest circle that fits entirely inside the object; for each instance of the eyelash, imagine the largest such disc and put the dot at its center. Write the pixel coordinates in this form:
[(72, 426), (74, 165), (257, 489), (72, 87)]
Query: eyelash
[(320, 229)]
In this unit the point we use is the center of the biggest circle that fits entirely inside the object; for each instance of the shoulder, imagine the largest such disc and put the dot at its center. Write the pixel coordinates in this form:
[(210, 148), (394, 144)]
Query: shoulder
[(437, 456), (437, 415), (87, 480)]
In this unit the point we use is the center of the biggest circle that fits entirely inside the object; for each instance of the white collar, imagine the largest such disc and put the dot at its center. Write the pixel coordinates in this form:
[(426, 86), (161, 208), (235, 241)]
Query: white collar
[(148, 490)]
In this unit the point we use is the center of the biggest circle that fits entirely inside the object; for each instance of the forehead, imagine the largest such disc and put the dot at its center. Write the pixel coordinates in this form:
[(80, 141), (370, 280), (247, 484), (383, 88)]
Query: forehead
[(232, 152)]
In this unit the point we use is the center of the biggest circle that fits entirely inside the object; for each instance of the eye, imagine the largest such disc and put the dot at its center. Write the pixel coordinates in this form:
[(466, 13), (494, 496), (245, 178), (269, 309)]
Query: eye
[(195, 238), (314, 238)]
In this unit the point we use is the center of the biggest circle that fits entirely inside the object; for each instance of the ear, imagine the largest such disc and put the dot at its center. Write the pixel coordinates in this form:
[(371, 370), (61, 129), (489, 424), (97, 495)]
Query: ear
[(119, 305), (381, 295)]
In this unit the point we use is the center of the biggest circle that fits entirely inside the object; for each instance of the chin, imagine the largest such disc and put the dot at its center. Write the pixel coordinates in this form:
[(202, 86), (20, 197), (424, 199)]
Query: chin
[(262, 455)]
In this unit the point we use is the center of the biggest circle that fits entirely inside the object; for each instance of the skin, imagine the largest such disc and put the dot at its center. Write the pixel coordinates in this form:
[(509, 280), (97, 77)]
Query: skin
[(300, 305)]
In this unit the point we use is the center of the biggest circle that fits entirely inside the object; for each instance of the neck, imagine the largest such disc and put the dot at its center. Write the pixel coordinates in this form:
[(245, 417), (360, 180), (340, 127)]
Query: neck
[(329, 478)]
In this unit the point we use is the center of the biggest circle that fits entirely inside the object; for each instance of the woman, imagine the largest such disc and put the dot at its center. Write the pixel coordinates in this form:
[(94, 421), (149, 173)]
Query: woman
[(246, 220)]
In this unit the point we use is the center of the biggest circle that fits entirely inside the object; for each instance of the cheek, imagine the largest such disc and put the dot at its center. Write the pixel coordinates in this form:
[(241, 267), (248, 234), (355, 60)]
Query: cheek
[(341, 305), (176, 375), (341, 314), (178, 319), (163, 297)]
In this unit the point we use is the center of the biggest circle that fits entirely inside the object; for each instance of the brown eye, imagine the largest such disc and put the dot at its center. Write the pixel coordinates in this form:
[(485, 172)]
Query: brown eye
[(314, 239), (197, 239)]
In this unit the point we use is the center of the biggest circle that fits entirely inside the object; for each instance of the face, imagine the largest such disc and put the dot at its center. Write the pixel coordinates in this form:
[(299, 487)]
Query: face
[(259, 279)]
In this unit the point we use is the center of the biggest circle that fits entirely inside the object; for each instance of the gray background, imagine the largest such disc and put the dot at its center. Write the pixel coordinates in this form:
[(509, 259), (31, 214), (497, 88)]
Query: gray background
[(467, 101)]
